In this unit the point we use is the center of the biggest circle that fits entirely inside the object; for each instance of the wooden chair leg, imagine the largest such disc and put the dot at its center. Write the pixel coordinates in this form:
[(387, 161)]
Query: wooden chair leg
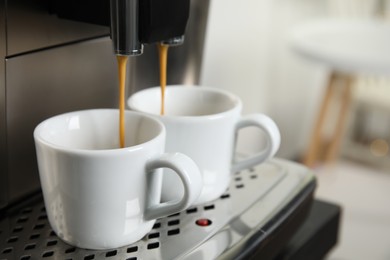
[(346, 98), (314, 148)]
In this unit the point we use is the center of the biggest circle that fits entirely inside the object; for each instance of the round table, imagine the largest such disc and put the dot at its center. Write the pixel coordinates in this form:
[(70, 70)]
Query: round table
[(348, 47)]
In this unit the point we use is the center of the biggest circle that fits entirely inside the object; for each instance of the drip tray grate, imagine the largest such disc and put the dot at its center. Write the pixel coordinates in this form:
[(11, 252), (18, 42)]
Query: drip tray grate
[(25, 232)]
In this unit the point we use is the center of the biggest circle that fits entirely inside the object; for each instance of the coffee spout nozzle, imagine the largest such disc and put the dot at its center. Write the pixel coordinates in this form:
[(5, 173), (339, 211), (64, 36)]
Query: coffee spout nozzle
[(175, 41), (125, 27), (138, 22)]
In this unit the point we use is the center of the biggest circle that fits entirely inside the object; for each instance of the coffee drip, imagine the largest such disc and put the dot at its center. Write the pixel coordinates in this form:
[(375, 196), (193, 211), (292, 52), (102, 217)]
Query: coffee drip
[(122, 64), (132, 26), (163, 58)]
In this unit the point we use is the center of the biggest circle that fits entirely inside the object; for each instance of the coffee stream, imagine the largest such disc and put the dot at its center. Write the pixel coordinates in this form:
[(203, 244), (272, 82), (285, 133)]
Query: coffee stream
[(122, 62), (163, 56)]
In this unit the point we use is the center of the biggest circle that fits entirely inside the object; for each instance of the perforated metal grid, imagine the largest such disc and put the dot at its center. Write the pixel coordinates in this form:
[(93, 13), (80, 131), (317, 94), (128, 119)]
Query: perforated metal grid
[(26, 234)]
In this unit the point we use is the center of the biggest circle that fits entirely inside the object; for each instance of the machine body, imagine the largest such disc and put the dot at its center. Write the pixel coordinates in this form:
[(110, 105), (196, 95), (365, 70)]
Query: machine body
[(57, 57)]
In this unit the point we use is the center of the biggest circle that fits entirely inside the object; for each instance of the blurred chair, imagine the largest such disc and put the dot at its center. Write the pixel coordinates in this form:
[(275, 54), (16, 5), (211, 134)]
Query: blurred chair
[(348, 48)]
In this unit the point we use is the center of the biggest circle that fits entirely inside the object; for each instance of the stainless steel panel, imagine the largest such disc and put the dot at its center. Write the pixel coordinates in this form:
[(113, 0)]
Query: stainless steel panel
[(248, 210), (31, 26), (46, 83), (3, 151)]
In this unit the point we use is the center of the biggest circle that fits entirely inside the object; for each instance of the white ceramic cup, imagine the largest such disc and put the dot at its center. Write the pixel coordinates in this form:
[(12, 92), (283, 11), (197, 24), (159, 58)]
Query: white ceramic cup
[(202, 123), (98, 196)]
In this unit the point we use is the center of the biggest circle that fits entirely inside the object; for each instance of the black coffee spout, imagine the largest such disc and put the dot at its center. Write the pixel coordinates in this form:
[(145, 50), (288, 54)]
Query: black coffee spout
[(132, 22), (163, 20), (125, 27), (138, 22)]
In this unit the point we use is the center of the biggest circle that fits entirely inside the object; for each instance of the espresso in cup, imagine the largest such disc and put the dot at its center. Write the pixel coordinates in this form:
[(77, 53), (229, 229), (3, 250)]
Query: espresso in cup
[(100, 196), (203, 123)]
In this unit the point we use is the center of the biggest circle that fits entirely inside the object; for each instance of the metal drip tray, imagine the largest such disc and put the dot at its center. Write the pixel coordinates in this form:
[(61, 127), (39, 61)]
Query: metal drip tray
[(258, 202)]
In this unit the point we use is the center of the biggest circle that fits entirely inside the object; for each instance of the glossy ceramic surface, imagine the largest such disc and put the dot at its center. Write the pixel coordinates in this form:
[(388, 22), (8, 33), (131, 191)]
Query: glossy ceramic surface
[(98, 196), (203, 123)]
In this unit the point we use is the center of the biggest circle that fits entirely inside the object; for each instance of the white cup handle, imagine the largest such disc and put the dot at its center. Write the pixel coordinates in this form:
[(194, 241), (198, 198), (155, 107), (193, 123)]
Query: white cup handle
[(189, 174), (272, 134)]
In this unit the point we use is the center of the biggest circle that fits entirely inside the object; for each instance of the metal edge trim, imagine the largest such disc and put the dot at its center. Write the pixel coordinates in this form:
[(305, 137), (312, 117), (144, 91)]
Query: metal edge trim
[(296, 209), (3, 119)]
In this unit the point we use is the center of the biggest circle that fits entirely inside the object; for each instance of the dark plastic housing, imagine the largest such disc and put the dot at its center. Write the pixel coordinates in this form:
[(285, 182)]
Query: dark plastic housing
[(159, 20), (162, 20)]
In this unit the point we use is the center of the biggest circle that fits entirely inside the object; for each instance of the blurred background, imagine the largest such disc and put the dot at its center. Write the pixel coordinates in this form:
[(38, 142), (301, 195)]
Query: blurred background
[(320, 69), (249, 51)]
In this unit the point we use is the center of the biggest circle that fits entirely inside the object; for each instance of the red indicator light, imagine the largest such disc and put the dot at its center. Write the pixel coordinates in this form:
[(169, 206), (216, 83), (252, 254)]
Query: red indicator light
[(203, 222)]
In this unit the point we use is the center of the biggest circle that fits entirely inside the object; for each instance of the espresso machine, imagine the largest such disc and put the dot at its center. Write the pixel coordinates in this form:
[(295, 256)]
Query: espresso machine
[(58, 56)]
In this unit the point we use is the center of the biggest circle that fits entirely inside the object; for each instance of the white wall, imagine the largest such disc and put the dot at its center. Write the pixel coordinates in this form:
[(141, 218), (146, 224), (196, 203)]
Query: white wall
[(235, 56), (247, 52)]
